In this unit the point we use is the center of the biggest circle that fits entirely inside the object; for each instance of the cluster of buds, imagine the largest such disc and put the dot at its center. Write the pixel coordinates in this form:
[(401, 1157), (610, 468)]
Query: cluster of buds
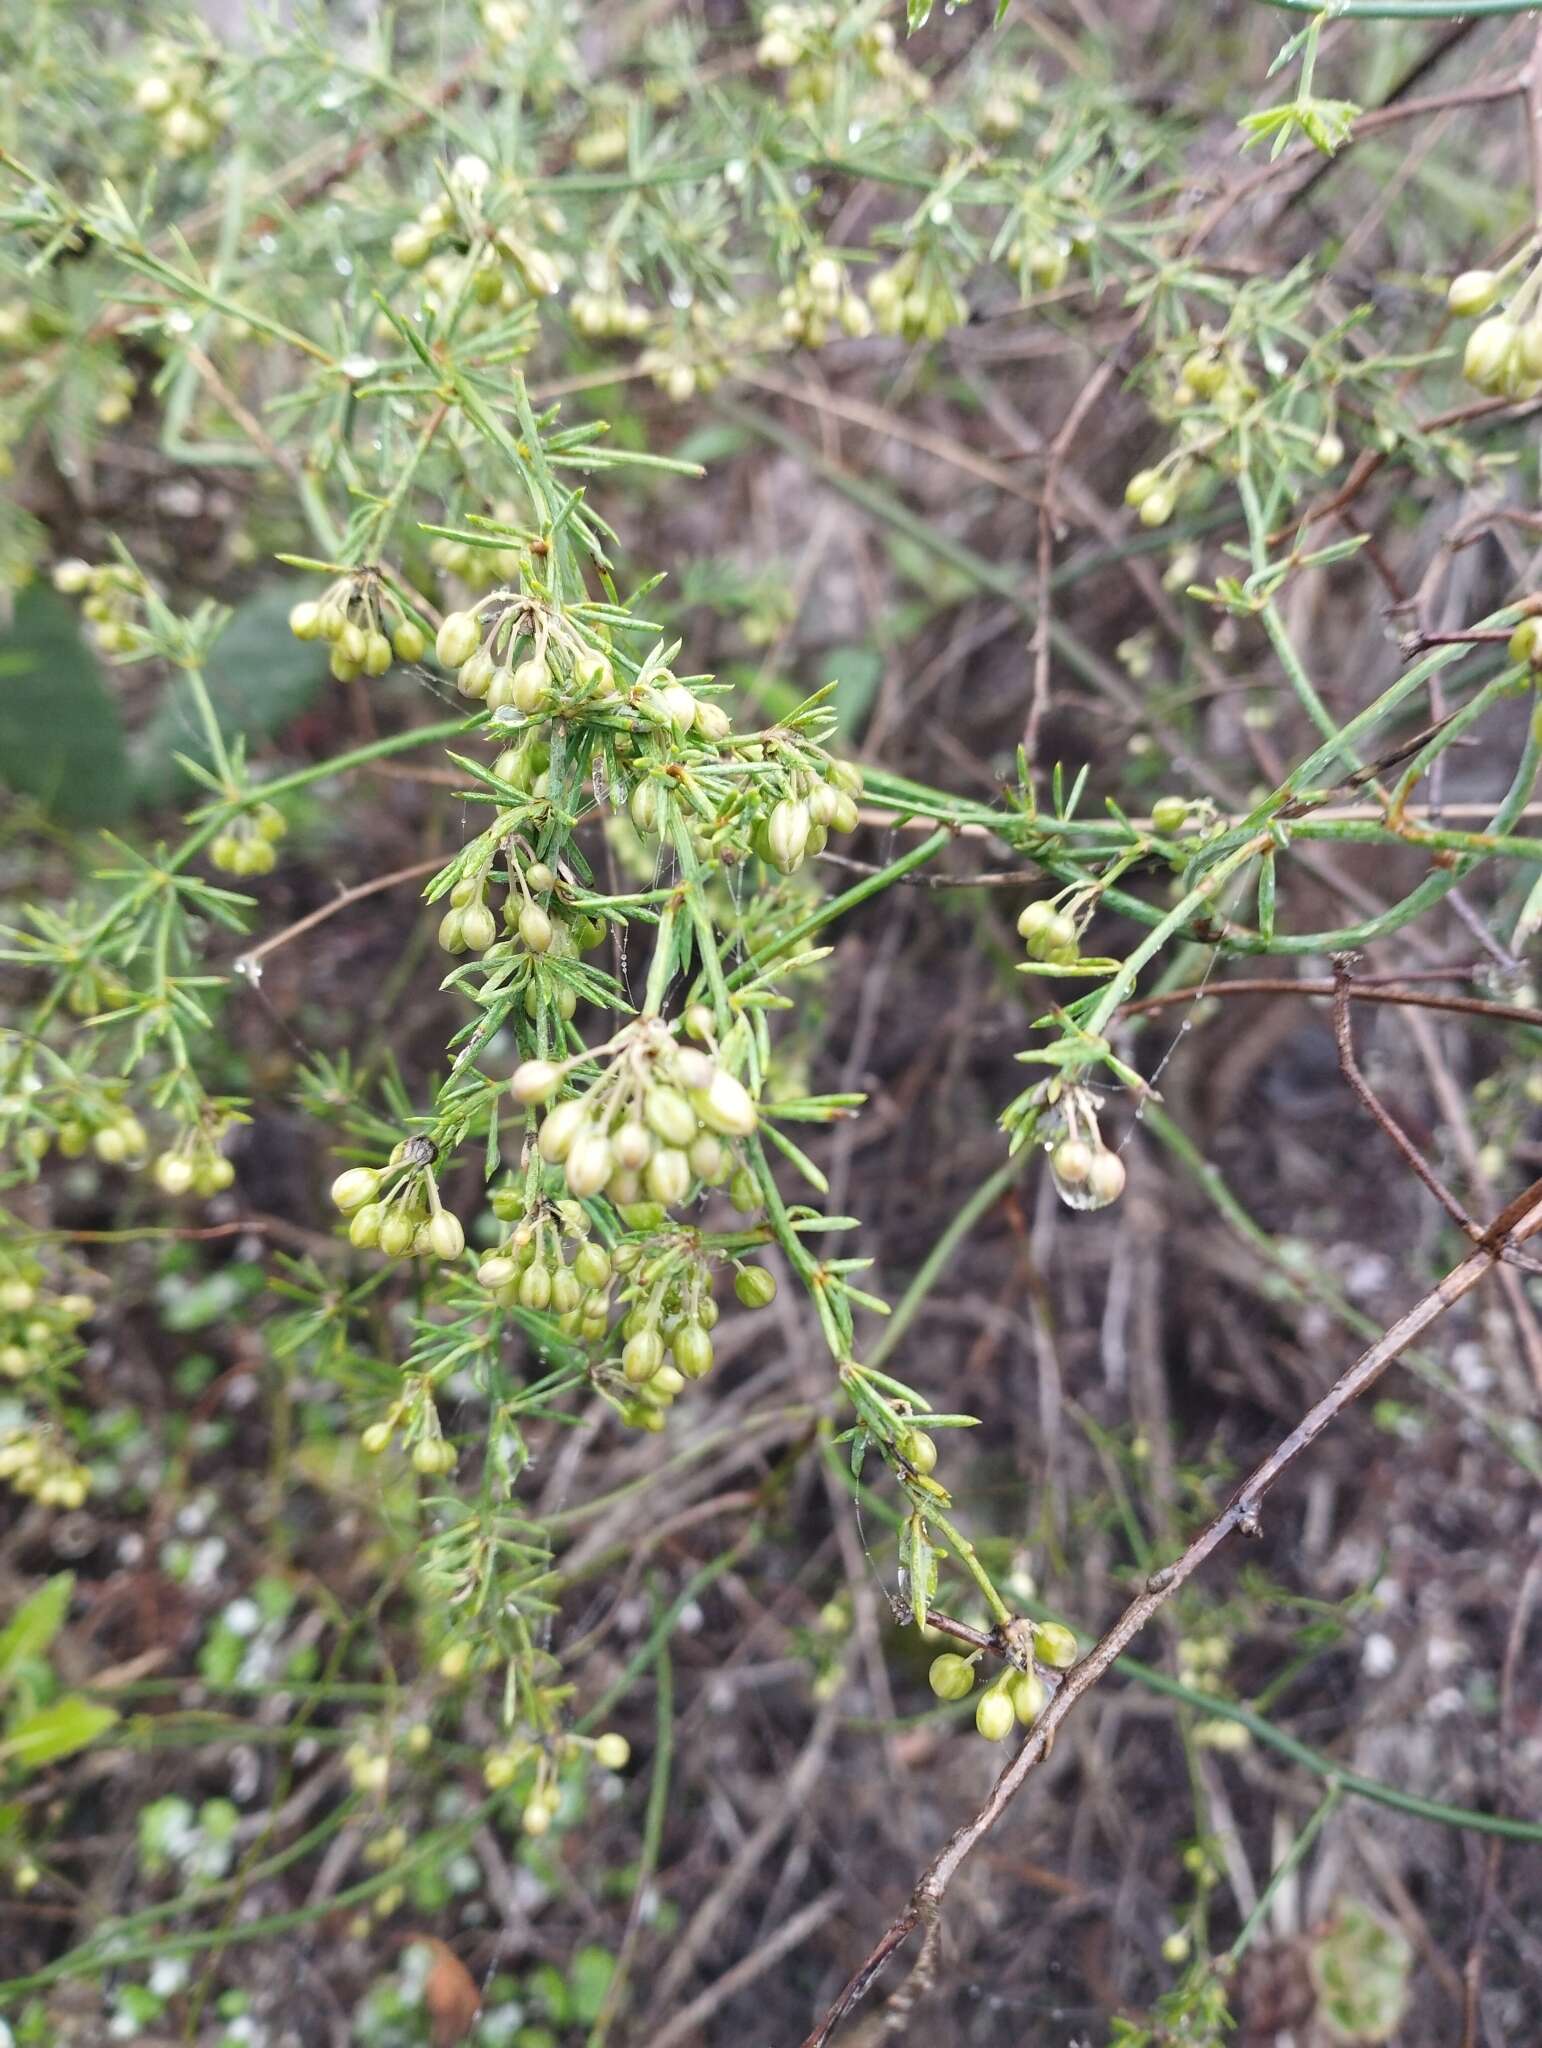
[(366, 623), (1049, 935), (37, 1322), (507, 265), (397, 1207), (415, 1416), (1202, 1662), (1503, 356), (804, 41), (688, 361), (603, 140), (513, 653), (603, 312), (247, 844), (174, 94), (1086, 1174), (36, 1463), (819, 300), (550, 1264), (550, 930), (1018, 1696), (114, 1134), (1212, 375), (92, 989), (669, 1318), (1152, 494), (1040, 256), (115, 399), (194, 1164), (480, 568), (112, 592), (501, 1766), (798, 824), (913, 297), (659, 1121), (1007, 101)]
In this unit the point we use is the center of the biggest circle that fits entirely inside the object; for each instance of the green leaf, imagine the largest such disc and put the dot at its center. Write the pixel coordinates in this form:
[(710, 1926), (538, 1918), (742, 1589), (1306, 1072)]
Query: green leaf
[(30, 1631), (588, 1981), (61, 739), (259, 677), (917, 14), (54, 1732)]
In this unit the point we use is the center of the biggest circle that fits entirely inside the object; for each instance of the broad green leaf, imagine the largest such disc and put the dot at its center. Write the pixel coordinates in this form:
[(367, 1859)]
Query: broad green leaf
[(259, 678), (35, 1624), (61, 739), (54, 1732)]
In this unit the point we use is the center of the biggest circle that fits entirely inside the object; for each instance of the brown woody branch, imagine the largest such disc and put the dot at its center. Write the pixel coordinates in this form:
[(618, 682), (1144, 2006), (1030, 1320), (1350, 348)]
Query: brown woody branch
[(1521, 1220)]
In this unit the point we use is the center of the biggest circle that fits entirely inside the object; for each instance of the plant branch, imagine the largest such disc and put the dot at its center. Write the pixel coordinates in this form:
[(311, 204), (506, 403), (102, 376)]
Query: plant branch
[(1518, 1222)]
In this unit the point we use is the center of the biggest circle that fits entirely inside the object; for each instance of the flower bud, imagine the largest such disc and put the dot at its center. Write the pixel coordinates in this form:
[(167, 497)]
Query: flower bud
[(408, 641), (589, 1163), (559, 1127), (951, 1677), (351, 1190), (1105, 1181), (1054, 1644), (173, 1173), (755, 1287), (593, 675), (667, 1176), (1473, 292), (727, 1106), (1071, 1161), (918, 1450), (535, 928), (1526, 643), (410, 245), (397, 1232), (457, 639), (304, 619), (641, 1356), (692, 1349), (364, 1226), (633, 1147), (787, 831), (670, 1115), (1169, 814), (1034, 921), (994, 1716), (446, 1238), (535, 1081), (1486, 358), (478, 927), (1029, 1696), (612, 1752), (679, 704)]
